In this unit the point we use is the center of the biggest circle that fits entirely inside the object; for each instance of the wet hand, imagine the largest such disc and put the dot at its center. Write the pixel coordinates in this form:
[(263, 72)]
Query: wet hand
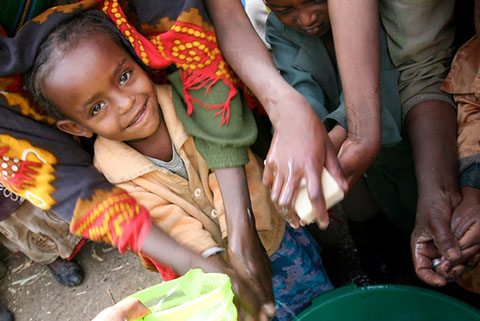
[(300, 149), (465, 226), (356, 155), (432, 237), (249, 307), (249, 260)]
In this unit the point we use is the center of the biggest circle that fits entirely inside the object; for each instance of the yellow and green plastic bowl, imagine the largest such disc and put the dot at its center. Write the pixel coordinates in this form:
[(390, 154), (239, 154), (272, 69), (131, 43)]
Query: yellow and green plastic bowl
[(195, 296)]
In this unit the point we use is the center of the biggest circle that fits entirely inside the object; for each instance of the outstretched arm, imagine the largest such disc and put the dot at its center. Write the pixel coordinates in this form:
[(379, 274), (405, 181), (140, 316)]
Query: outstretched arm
[(355, 27), (439, 194), (292, 155), (162, 248), (247, 254)]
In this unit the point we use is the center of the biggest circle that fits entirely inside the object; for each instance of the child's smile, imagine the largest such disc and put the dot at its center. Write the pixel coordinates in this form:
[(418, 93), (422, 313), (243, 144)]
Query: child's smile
[(103, 90)]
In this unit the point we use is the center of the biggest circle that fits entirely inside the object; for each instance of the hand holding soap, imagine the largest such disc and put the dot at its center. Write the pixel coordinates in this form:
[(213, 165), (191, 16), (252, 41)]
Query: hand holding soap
[(331, 192)]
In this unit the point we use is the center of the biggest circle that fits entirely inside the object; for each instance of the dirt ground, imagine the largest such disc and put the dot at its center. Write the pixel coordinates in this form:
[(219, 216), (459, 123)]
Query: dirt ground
[(32, 294)]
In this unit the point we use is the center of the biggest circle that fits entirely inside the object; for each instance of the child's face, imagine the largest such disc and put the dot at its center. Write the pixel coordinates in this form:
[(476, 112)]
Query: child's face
[(309, 16), (101, 89)]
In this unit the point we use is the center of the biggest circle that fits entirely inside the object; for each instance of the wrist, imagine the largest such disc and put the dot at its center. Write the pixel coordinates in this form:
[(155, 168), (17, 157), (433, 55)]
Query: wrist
[(282, 102), (437, 182)]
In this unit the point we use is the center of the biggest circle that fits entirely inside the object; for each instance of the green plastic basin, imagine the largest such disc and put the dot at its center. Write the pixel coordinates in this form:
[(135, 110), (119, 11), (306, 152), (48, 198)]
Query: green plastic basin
[(387, 303)]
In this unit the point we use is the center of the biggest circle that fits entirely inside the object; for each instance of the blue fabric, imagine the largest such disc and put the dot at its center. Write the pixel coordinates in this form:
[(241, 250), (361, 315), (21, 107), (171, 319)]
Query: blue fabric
[(470, 176), (298, 273)]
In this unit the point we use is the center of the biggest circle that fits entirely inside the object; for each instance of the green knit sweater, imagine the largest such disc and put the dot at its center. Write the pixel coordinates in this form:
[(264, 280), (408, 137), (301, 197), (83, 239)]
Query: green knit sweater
[(220, 145)]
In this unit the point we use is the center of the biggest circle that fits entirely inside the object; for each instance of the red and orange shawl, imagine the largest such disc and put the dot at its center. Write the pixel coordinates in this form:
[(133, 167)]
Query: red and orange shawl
[(47, 167)]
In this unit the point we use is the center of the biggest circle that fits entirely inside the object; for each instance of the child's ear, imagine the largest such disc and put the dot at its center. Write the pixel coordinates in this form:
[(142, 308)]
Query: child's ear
[(73, 128)]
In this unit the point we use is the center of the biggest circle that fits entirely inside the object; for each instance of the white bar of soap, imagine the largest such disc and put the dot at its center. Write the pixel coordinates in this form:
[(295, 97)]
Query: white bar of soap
[(331, 192)]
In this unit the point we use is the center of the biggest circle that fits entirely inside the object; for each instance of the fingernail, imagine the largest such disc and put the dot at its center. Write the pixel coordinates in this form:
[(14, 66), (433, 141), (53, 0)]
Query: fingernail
[(274, 198), (323, 224), (453, 254)]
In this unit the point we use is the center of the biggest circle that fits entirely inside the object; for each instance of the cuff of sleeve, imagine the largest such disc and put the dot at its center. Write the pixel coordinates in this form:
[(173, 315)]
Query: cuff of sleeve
[(212, 251), (218, 156), (470, 176), (412, 102)]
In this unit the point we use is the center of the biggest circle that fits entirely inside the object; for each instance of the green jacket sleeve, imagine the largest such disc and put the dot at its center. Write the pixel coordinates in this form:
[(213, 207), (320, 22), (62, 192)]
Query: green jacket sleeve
[(220, 145)]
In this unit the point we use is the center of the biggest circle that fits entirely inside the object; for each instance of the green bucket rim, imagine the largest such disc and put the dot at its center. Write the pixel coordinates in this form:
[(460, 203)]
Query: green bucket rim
[(350, 290)]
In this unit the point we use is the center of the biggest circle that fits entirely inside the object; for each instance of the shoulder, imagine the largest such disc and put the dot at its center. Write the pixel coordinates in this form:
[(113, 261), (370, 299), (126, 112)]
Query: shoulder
[(464, 70)]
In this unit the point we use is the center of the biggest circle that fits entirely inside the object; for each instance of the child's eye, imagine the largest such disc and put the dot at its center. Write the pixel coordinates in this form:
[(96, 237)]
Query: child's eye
[(124, 77), (96, 108), (284, 11)]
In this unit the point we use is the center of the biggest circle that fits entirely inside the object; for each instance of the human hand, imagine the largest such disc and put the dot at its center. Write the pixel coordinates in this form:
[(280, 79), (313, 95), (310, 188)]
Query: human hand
[(249, 308), (432, 237), (300, 149), (356, 155), (127, 309), (250, 262), (465, 226)]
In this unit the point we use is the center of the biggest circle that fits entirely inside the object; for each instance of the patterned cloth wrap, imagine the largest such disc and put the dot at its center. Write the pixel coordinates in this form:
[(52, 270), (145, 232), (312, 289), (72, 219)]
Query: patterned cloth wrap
[(48, 168), (298, 273)]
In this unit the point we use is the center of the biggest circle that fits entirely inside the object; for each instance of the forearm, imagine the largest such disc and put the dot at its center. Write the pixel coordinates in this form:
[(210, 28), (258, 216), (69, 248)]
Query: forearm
[(247, 254), (355, 27), (242, 48), (236, 200), (432, 126), (162, 248)]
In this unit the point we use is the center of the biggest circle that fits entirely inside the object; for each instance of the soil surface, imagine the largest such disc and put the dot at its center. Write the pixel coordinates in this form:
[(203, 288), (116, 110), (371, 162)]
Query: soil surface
[(32, 294)]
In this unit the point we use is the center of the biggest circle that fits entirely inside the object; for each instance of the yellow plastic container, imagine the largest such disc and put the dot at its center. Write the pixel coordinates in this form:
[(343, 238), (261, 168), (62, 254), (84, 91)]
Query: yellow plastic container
[(196, 296)]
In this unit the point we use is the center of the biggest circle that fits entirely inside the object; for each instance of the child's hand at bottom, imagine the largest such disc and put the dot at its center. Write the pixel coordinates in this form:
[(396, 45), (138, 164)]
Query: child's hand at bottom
[(249, 307), (250, 262)]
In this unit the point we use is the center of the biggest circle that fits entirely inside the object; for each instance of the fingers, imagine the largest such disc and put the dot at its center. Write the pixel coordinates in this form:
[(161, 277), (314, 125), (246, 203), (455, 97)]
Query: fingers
[(425, 272), (423, 253), (290, 216), (291, 186), (467, 232), (268, 173), (315, 193), (443, 237), (470, 238), (427, 275)]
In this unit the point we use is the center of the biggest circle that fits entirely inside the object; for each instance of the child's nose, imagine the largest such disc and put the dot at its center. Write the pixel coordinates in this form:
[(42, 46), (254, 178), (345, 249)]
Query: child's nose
[(125, 103), (306, 18)]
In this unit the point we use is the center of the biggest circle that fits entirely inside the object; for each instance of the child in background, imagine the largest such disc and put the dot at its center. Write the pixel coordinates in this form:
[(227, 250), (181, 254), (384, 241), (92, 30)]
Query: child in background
[(463, 83), (143, 147), (303, 50)]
